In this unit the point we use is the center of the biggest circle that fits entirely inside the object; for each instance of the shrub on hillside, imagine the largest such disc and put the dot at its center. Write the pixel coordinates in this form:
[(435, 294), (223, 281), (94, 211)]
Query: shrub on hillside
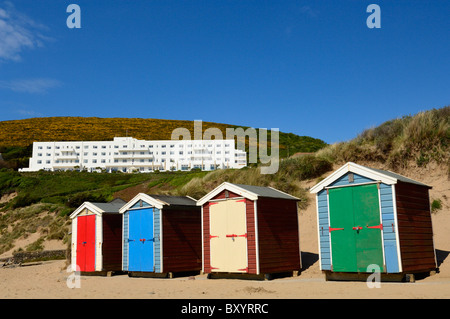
[(305, 167)]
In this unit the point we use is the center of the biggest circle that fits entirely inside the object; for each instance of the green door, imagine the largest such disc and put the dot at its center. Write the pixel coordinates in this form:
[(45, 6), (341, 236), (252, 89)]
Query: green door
[(355, 228)]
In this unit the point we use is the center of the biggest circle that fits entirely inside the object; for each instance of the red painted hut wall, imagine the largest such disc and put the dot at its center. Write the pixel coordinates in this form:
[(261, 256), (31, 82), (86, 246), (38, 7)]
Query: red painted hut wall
[(414, 227), (278, 235), (182, 241), (112, 242)]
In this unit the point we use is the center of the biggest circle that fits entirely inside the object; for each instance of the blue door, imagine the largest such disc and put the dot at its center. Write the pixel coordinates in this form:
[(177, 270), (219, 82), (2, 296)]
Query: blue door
[(140, 240)]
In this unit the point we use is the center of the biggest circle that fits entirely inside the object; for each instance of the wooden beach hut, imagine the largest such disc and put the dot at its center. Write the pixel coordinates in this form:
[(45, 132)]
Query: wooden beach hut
[(161, 236), (249, 230), (97, 237), (370, 219)]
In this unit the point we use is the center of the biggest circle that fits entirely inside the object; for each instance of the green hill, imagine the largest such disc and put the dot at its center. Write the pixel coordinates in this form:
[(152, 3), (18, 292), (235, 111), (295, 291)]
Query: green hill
[(16, 137)]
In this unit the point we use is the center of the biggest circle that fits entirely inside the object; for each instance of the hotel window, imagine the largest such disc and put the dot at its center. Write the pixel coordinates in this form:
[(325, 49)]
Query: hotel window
[(39, 162)]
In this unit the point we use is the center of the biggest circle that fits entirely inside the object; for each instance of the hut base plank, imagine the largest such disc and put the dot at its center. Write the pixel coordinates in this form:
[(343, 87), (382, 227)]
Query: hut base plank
[(145, 274), (384, 277)]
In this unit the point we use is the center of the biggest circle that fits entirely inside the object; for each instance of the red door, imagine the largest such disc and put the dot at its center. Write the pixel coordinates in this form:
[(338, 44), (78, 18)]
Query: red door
[(86, 243)]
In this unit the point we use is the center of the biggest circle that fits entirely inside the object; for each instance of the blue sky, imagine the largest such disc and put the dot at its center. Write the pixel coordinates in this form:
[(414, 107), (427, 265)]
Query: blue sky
[(307, 67)]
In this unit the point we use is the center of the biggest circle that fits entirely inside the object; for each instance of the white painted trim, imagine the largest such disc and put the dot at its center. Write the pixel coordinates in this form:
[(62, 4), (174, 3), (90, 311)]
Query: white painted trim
[(354, 168), (98, 243), (89, 206), (74, 243), (203, 241), (381, 231), (329, 237), (230, 187), (144, 197), (255, 208), (123, 240), (397, 239)]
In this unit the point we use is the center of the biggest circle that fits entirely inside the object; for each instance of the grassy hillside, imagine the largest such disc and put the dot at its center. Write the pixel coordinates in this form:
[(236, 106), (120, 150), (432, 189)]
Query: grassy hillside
[(17, 136)]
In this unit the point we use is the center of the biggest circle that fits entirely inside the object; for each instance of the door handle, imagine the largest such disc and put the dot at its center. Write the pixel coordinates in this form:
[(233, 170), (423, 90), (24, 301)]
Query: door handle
[(376, 227), (330, 229), (357, 228)]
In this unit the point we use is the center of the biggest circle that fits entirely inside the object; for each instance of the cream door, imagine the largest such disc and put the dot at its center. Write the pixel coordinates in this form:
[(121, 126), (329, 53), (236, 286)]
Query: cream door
[(228, 233)]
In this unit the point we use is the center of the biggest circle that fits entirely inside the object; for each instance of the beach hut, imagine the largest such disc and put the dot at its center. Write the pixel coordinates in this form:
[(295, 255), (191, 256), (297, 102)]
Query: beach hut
[(373, 220), (249, 230), (97, 237), (161, 236)]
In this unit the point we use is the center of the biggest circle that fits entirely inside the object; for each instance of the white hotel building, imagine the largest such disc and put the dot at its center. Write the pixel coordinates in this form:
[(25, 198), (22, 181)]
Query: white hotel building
[(127, 154)]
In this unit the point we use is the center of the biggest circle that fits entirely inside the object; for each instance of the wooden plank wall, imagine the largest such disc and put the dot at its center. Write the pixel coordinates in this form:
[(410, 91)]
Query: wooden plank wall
[(278, 235), (182, 245), (112, 242), (415, 227)]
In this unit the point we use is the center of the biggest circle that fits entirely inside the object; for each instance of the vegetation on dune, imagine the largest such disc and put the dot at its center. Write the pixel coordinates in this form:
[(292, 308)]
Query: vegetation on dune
[(423, 138)]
